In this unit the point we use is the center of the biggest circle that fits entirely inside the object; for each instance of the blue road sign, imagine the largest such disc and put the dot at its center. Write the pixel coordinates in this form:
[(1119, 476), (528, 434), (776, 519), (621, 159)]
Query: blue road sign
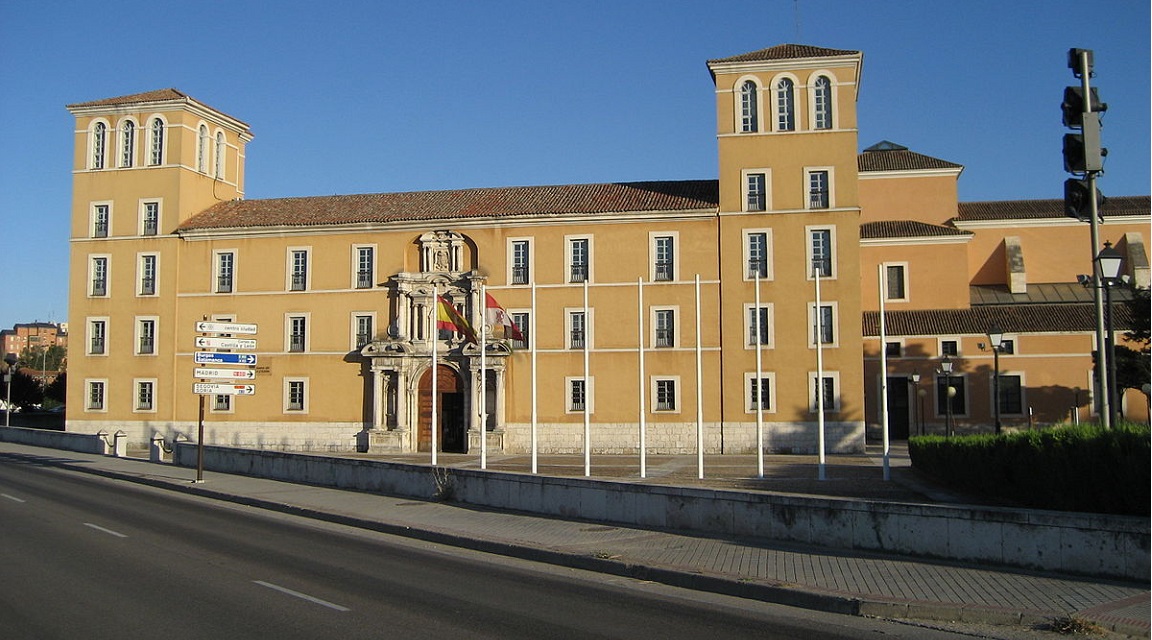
[(207, 357)]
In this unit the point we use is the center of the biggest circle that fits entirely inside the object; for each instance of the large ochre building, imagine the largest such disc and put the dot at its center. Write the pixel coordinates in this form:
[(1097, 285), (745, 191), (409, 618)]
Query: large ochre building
[(678, 312)]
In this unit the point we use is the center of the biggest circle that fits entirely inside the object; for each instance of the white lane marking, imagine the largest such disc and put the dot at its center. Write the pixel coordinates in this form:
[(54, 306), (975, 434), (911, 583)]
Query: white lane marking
[(108, 531), (12, 498), (302, 596)]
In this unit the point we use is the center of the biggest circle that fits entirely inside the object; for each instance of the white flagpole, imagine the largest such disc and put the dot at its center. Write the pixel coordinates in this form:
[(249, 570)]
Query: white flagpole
[(640, 357), (759, 386), (882, 289), (819, 373), (483, 379), (699, 389), (532, 351), (435, 339), (587, 390)]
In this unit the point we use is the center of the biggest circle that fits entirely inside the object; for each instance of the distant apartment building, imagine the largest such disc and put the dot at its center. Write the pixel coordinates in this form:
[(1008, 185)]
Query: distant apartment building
[(740, 312)]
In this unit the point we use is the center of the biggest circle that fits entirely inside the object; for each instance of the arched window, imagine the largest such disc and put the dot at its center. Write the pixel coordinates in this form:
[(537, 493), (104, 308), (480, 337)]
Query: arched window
[(220, 155), (99, 138), (127, 143), (749, 107), (202, 151), (156, 144), (822, 103), (785, 105)]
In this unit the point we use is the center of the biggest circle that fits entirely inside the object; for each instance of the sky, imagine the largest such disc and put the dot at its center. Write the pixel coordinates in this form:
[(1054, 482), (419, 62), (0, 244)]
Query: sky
[(366, 96)]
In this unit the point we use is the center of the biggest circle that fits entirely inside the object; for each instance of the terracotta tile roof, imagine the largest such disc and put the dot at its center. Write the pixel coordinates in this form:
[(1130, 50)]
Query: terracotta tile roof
[(1039, 209), (886, 156), (907, 229), (786, 52), (562, 200), (1027, 318), (148, 96)]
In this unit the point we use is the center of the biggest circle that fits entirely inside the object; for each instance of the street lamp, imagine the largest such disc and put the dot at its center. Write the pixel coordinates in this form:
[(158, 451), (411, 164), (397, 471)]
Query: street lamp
[(917, 394), (10, 360), (995, 340), (1108, 269), (950, 392)]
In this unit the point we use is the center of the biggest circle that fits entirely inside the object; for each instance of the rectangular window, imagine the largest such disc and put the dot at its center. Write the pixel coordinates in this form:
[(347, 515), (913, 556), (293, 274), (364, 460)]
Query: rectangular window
[(298, 276), (1011, 394), (818, 190), (895, 284), (665, 394), (959, 397), (297, 326), (893, 349), (757, 197), (759, 393), (225, 269), (99, 276), (826, 390), (823, 324), (576, 333), (578, 259), (364, 267), (294, 395), (522, 322), (148, 275), (1007, 346), (97, 337), (147, 344), (757, 248), (221, 403), (100, 220), (150, 225), (663, 269), (820, 247), (520, 262), (949, 348), (363, 331), (95, 395), (577, 395), (665, 327), (759, 325), (145, 391)]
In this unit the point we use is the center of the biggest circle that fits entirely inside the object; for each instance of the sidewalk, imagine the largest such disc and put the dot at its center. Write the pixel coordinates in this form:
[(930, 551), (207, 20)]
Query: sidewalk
[(828, 580)]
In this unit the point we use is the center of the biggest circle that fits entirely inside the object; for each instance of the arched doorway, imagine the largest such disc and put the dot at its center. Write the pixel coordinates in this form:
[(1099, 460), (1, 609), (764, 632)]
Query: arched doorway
[(451, 434)]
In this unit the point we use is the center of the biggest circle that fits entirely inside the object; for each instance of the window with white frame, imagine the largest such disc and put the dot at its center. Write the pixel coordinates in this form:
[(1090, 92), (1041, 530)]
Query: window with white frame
[(297, 334), (823, 324), (1011, 394), (822, 103), (202, 149), (97, 336), (749, 107), (577, 330), (220, 149), (785, 105), (297, 269), (365, 257), (829, 387), (758, 324), (99, 144), (664, 258), (221, 404), (579, 259), (821, 252), (757, 253), (145, 395), (149, 218), (759, 393), (127, 143), (522, 320), (101, 220), (819, 189), (95, 400), (578, 393), (959, 395), (99, 270), (147, 266), (664, 328), (896, 281), (296, 395), (225, 271), (520, 261), (893, 348), (665, 394), (949, 347), (362, 329), (756, 191), (146, 336), (156, 142)]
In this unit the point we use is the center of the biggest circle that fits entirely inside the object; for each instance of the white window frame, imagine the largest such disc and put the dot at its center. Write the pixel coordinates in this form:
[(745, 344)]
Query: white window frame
[(903, 266), (745, 174), (91, 287), (304, 404), (214, 408), (653, 313), (831, 174), (355, 258), (126, 142), (92, 217), (89, 334), (98, 162), (757, 124), (141, 258), (568, 258), (749, 378), (288, 321), (88, 383), (766, 342), (653, 388), (530, 257), (215, 288), (219, 154), (769, 272), (202, 139), (354, 328), (290, 268), (136, 383), (138, 333), (163, 150), (674, 237), (964, 383), (899, 342), (1023, 392), (940, 340), (837, 393), (589, 324), (776, 112), (589, 395), (833, 120), (812, 318), (143, 219), (525, 330), (809, 254)]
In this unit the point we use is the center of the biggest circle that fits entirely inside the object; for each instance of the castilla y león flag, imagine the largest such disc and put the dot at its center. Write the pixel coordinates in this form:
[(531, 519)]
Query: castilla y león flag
[(496, 316)]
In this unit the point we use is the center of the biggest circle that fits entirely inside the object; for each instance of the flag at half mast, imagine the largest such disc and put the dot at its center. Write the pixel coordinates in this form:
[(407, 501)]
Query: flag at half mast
[(495, 316), (448, 319)]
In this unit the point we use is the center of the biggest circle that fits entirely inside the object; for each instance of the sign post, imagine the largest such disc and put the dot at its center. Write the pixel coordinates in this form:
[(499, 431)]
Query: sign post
[(203, 388)]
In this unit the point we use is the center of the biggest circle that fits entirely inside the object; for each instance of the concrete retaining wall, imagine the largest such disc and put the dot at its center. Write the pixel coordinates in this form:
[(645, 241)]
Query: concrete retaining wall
[(101, 443), (1078, 543)]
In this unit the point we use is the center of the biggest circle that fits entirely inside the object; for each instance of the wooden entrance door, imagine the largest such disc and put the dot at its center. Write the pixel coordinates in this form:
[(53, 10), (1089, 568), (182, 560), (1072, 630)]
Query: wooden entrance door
[(899, 408), (449, 408)]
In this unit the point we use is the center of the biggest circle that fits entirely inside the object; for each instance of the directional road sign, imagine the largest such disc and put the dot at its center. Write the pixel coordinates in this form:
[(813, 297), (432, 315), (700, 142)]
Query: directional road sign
[(207, 357), (219, 389), (225, 327), (226, 374), (203, 342)]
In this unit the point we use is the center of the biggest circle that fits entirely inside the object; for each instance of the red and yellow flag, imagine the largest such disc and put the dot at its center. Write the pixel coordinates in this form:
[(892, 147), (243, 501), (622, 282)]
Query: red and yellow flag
[(496, 316), (448, 319)]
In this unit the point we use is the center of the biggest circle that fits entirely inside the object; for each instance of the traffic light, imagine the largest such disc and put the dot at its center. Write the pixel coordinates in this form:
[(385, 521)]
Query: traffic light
[(1073, 105), (1082, 151), (1077, 203)]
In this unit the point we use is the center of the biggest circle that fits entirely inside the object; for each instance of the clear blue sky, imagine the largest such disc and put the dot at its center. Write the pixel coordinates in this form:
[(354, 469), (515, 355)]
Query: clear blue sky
[(370, 96)]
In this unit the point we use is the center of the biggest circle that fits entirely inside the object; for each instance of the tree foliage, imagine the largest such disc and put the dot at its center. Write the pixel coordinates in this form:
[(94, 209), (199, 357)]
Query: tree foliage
[(50, 358), (1132, 370)]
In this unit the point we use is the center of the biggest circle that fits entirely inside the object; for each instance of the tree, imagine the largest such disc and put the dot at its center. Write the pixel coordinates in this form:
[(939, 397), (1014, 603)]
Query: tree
[(1132, 370), (25, 390), (57, 389), (50, 358)]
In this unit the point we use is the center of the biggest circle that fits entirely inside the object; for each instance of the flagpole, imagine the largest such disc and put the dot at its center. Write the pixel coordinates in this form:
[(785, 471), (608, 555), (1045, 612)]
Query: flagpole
[(759, 385), (532, 351), (882, 290), (819, 373), (483, 379), (699, 389), (640, 357), (435, 338), (587, 394)]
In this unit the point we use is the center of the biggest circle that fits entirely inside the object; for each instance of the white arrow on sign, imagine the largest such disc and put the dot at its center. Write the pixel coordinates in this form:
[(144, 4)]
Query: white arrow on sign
[(204, 342), (226, 374), (225, 327), (220, 389)]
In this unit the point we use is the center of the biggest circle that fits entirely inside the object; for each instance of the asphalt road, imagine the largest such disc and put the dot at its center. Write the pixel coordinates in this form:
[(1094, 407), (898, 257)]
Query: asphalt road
[(90, 557)]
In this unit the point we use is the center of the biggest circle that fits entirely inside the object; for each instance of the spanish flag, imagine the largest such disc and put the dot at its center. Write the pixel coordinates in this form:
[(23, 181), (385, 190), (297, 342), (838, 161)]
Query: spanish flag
[(449, 320)]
